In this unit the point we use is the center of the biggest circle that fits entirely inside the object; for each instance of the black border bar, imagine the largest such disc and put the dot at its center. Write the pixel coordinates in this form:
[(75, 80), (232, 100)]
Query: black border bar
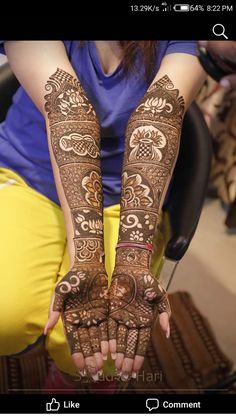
[(122, 403), (182, 26)]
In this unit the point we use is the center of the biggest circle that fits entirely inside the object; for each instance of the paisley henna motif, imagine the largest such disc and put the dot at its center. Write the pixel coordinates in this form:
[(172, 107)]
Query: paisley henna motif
[(79, 144)]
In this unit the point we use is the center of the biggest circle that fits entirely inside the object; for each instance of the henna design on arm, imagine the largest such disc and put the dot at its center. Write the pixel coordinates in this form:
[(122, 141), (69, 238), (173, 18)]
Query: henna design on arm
[(152, 143), (74, 134), (151, 149)]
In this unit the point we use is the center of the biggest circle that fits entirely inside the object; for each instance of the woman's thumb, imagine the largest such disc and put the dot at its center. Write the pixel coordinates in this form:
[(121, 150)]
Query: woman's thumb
[(52, 321), (164, 323), (53, 317)]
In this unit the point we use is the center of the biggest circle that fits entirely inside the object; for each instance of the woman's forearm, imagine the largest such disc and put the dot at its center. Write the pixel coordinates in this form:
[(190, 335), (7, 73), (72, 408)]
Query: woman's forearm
[(151, 149), (74, 144)]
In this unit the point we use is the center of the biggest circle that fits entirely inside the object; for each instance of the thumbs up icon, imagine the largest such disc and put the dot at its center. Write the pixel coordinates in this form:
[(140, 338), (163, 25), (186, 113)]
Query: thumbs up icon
[(54, 406)]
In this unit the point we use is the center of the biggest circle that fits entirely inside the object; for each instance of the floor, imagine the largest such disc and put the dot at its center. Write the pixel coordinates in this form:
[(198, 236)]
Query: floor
[(208, 273)]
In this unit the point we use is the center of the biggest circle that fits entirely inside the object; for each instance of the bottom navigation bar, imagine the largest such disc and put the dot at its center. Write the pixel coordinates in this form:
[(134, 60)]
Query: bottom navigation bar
[(118, 403)]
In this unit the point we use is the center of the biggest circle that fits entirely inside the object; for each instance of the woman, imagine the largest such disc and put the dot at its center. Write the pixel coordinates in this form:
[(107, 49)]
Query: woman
[(132, 95)]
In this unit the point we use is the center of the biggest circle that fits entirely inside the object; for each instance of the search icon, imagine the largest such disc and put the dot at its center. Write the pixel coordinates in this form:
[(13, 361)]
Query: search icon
[(219, 30)]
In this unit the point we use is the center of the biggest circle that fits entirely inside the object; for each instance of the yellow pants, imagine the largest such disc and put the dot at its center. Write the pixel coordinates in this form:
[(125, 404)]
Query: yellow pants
[(33, 258)]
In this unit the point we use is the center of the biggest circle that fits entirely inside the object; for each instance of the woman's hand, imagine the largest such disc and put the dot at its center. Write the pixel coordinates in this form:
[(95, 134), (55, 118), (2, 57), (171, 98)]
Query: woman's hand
[(135, 299), (81, 297)]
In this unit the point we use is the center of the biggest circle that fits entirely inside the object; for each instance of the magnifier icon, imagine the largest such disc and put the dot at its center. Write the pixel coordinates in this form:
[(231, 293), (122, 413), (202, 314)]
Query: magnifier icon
[(219, 30)]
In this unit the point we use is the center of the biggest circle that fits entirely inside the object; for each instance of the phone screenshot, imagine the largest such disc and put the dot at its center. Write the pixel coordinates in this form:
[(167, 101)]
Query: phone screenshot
[(118, 211)]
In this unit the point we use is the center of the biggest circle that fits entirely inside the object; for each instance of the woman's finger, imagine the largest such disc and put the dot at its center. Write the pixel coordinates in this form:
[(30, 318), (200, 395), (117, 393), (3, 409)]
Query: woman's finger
[(119, 362), (103, 336), (96, 346), (122, 334), (53, 317), (71, 332), (130, 350), (78, 359), (87, 350), (163, 305), (137, 365), (112, 331), (127, 369), (131, 345), (52, 321), (164, 323), (143, 341), (229, 82)]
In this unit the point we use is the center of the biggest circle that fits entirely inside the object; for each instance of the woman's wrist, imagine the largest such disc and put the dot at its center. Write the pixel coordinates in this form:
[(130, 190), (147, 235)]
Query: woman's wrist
[(133, 256)]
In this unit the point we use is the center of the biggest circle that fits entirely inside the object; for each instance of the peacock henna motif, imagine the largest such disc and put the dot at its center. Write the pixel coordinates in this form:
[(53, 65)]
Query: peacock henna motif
[(81, 296), (151, 149)]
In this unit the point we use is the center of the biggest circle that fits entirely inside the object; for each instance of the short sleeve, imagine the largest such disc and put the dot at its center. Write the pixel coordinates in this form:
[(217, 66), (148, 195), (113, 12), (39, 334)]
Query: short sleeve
[(2, 49), (187, 47)]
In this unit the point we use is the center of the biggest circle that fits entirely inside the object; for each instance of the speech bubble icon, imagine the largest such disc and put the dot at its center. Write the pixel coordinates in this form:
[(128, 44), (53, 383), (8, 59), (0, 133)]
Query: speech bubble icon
[(152, 404)]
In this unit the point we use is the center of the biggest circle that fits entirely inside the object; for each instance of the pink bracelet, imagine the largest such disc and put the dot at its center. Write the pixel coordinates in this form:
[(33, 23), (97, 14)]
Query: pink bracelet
[(141, 246)]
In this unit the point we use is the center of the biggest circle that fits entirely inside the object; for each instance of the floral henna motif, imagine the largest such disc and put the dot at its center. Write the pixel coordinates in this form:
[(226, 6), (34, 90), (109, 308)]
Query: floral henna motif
[(66, 99), (135, 193), (89, 250), (81, 296), (93, 187), (151, 149), (146, 144)]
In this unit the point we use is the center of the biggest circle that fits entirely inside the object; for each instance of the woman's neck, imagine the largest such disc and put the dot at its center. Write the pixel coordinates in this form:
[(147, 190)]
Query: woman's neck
[(110, 55)]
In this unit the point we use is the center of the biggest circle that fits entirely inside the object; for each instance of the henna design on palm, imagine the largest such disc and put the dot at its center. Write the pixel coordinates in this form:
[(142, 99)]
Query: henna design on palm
[(82, 297), (135, 298)]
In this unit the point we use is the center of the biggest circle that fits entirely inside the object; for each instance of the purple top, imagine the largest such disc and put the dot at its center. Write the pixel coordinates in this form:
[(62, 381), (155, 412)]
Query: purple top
[(23, 140)]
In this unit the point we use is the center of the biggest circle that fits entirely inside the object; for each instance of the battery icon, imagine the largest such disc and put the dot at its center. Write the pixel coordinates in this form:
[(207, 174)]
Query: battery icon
[(181, 7)]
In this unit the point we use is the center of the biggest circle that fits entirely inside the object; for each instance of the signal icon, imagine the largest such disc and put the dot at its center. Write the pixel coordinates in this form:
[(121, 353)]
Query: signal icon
[(165, 7)]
